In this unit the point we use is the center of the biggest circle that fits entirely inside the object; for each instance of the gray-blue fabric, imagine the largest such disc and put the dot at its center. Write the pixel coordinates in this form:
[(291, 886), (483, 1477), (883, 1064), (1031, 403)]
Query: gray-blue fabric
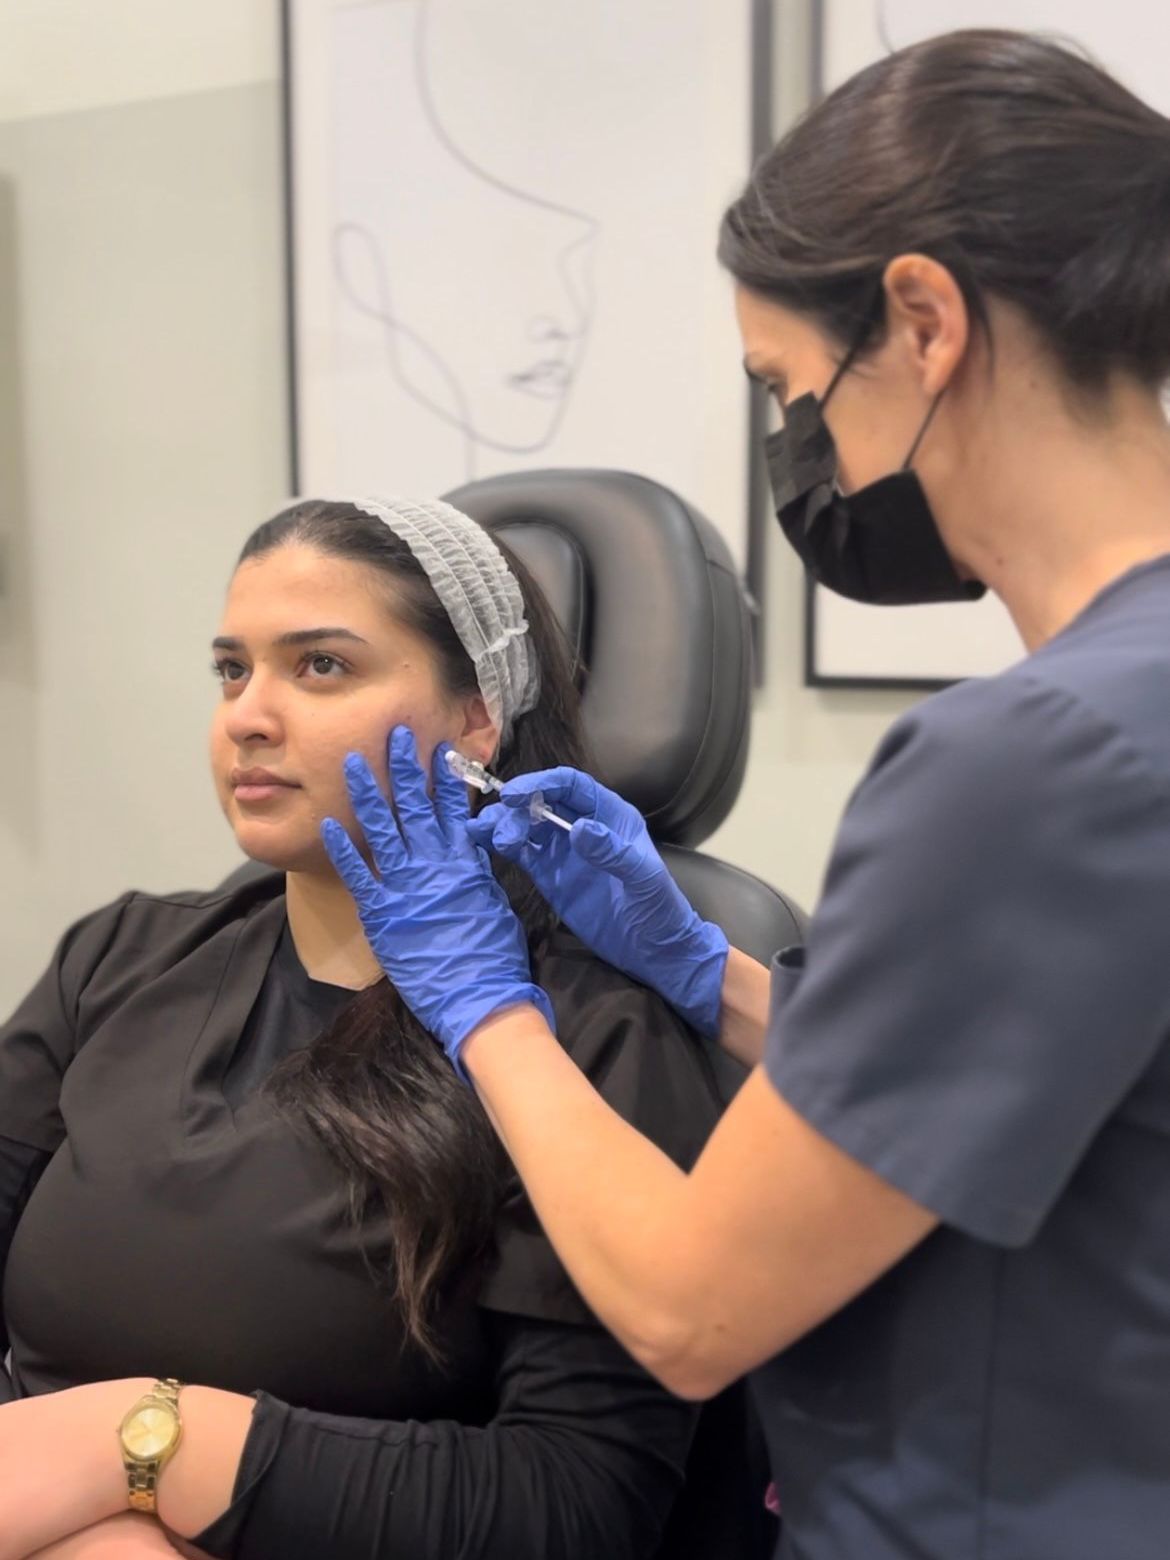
[(983, 1018)]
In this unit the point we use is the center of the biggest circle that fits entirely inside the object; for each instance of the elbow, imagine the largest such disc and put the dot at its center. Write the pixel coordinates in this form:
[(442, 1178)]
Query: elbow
[(678, 1355)]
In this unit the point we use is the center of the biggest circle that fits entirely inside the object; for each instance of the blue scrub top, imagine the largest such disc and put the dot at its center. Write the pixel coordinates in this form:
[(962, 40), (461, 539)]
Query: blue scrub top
[(983, 1018)]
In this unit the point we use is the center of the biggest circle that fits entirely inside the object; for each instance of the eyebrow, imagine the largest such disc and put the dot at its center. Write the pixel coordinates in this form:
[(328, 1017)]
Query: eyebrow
[(296, 636)]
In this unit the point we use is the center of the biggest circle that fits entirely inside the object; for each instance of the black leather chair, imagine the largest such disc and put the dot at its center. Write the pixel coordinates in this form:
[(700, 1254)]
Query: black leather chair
[(646, 590)]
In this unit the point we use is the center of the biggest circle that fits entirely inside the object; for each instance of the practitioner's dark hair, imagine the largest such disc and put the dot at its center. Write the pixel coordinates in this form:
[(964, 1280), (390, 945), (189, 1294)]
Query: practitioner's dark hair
[(1016, 162)]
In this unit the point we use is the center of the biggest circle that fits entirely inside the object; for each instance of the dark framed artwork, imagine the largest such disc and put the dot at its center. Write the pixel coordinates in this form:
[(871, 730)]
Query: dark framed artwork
[(850, 645)]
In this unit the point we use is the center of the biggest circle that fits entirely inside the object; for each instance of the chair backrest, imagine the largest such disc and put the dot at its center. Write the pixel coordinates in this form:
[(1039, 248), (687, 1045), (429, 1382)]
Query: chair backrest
[(647, 593)]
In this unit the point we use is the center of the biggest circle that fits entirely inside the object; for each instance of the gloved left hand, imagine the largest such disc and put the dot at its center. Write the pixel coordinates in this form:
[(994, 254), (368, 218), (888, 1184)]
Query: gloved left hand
[(438, 922)]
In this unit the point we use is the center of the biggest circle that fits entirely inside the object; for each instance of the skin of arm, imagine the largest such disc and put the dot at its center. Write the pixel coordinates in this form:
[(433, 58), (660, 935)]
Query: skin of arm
[(701, 1276), (127, 1537), (47, 1499), (743, 1017)]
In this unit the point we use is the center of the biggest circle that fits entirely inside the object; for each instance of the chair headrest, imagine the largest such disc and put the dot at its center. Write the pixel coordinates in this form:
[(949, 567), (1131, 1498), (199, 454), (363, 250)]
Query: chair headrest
[(647, 592)]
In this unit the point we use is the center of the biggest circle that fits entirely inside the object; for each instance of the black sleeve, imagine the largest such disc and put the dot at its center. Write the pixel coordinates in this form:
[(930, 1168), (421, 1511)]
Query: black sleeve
[(36, 1046), (20, 1170), (582, 1462), (648, 1066), (41, 1038)]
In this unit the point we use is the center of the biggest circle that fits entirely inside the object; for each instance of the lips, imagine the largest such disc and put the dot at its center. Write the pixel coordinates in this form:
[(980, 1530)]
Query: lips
[(258, 777), (548, 378)]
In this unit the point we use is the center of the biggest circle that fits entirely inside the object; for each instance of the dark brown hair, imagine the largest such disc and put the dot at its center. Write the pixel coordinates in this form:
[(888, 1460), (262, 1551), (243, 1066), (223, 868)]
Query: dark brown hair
[(375, 1089), (1017, 163)]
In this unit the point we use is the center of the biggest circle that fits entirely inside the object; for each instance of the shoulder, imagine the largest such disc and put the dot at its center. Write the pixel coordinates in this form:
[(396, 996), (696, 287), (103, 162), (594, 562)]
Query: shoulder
[(635, 1050), (1010, 796), (140, 935), (221, 905), (999, 749)]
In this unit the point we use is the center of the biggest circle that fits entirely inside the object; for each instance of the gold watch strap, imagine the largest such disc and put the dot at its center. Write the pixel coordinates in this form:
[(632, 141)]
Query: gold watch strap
[(168, 1389), (143, 1491), (142, 1478)]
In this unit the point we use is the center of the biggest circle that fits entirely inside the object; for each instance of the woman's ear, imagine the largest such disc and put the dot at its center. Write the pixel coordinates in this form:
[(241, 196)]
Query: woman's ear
[(926, 310), (480, 736)]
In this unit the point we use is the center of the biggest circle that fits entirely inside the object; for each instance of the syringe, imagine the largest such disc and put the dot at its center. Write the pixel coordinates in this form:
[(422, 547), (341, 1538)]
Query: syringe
[(473, 772)]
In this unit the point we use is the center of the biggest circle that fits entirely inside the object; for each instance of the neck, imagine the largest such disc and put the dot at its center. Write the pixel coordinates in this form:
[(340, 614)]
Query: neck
[(327, 932), (1096, 503)]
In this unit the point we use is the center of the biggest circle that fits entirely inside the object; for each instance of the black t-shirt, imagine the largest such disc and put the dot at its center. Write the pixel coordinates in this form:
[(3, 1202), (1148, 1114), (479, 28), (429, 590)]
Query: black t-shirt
[(182, 1227), (984, 1020)]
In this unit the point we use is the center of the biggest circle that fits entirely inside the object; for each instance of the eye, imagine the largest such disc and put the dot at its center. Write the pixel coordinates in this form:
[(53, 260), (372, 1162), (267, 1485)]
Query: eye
[(228, 671), (322, 666)]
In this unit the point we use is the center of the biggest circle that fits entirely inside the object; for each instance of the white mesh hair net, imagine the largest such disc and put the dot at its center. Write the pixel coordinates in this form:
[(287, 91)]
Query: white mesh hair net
[(481, 596)]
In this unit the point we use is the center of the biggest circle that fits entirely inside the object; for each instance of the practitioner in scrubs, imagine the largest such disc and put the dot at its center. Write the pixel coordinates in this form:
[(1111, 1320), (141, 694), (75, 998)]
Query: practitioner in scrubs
[(935, 1222)]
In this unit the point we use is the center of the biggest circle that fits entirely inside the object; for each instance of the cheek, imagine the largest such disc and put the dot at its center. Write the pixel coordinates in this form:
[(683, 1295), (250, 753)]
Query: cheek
[(220, 751), (322, 742), (325, 739), (863, 454)]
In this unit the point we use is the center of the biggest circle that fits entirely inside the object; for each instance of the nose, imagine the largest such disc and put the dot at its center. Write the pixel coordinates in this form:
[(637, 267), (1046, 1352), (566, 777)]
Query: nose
[(253, 716)]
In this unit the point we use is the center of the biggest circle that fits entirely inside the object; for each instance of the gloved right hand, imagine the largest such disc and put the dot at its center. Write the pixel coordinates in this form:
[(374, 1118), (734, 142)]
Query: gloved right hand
[(610, 887)]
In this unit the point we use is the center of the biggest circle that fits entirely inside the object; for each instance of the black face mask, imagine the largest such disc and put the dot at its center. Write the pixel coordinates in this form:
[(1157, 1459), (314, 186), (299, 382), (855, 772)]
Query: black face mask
[(879, 545)]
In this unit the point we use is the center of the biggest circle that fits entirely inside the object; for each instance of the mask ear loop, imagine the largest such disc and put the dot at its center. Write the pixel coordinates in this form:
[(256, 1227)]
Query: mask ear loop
[(842, 368), (862, 336), (922, 431), (847, 361)]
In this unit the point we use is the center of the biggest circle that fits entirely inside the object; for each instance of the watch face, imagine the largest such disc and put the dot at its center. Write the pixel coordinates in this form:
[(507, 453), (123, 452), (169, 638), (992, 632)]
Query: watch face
[(148, 1433)]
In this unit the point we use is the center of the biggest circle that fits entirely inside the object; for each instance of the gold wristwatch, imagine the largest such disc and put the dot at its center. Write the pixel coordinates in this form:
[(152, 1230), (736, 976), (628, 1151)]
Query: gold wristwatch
[(150, 1436)]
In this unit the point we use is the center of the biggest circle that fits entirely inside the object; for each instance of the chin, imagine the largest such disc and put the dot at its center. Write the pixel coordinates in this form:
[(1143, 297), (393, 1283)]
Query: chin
[(285, 850)]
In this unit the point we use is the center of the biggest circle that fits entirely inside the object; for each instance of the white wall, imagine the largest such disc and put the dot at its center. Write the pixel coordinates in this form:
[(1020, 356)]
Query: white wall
[(142, 434), (809, 746), (142, 431), (62, 56), (809, 749)]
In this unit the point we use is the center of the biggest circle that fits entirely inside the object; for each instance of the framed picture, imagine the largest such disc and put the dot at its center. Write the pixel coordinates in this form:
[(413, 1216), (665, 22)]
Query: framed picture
[(502, 227), (850, 645)]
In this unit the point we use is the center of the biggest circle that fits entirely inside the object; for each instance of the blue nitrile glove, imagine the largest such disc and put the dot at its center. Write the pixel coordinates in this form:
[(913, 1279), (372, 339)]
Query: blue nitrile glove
[(610, 887), (439, 924)]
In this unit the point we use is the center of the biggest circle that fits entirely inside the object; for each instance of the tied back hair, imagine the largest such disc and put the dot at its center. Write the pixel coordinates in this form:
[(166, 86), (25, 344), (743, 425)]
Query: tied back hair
[(413, 1142), (1016, 162)]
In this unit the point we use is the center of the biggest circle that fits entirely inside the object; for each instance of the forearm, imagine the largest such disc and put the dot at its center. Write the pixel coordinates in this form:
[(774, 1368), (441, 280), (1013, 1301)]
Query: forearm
[(743, 1017), (124, 1537), (44, 1500), (581, 1462), (196, 1485), (614, 1206)]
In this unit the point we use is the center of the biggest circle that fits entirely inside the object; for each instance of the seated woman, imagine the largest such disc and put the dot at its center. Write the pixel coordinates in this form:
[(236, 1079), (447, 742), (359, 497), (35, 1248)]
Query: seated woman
[(229, 1155)]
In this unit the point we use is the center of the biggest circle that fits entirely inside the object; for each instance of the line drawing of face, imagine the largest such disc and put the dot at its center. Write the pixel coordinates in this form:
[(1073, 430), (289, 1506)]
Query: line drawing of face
[(482, 293)]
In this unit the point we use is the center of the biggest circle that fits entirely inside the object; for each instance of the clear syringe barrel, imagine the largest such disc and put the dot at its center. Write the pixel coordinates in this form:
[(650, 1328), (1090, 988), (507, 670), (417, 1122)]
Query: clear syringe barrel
[(474, 773)]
